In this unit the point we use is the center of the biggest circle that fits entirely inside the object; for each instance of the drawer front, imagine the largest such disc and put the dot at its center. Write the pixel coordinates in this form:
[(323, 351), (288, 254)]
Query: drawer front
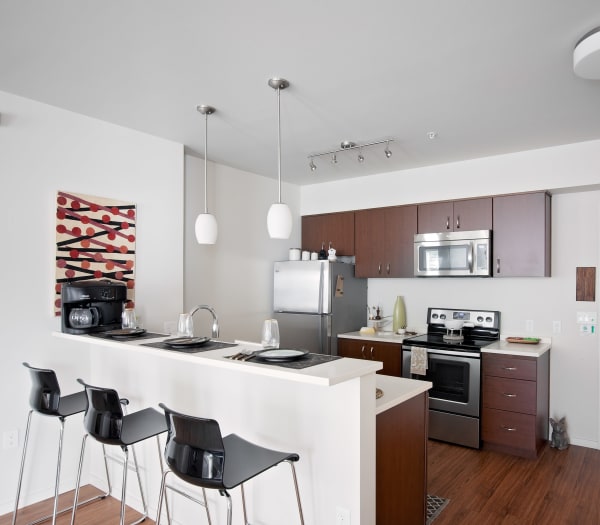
[(514, 395), (508, 366), (508, 428)]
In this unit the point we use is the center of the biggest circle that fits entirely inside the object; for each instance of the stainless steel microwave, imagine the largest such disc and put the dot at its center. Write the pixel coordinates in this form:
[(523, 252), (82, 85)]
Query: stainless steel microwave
[(453, 254)]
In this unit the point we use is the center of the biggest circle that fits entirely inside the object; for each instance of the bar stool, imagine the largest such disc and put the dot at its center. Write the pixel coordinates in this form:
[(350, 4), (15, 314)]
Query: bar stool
[(45, 399), (197, 453), (105, 421)]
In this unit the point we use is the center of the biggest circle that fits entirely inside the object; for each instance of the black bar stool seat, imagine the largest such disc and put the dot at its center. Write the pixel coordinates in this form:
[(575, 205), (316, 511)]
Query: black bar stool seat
[(45, 399), (106, 422), (197, 453)]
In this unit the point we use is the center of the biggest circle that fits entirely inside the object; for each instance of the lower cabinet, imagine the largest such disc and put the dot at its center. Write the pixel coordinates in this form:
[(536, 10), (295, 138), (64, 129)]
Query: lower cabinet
[(388, 353), (515, 403), (401, 478)]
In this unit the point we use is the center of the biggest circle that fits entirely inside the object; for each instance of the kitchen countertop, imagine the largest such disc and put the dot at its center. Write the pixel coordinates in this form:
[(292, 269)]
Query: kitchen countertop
[(326, 374), (381, 336), (529, 350), (396, 390)]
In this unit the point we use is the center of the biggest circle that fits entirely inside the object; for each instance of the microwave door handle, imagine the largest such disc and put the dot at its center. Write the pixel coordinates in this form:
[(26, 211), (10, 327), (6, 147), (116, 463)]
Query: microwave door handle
[(470, 257)]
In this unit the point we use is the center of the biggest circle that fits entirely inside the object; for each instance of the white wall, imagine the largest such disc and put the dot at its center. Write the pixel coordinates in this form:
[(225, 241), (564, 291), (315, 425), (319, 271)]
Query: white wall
[(42, 150), (575, 242), (235, 275)]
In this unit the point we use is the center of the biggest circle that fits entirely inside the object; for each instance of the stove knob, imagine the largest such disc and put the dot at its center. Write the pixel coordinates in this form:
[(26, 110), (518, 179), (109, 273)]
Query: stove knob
[(480, 319), (434, 316), (443, 316), (488, 319)]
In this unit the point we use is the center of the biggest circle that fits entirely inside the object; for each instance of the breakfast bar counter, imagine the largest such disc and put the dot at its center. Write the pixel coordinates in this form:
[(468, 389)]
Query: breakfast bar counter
[(326, 413)]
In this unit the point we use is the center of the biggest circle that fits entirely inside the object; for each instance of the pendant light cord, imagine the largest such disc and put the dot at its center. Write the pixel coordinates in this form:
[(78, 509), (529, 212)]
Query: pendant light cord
[(279, 141), (205, 161)]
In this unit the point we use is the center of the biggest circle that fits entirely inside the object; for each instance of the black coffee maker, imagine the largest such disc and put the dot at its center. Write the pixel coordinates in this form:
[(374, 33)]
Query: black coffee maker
[(92, 306)]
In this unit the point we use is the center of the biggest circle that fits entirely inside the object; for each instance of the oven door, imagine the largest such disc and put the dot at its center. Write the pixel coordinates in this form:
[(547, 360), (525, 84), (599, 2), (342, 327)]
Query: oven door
[(455, 377)]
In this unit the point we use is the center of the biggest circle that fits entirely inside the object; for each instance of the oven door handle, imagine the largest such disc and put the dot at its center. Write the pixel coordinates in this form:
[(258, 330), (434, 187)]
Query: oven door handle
[(435, 351), (470, 257)]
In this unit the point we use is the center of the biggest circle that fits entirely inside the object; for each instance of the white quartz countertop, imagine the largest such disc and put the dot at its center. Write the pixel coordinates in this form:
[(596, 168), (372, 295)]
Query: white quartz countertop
[(530, 350), (396, 390), (379, 336), (326, 374)]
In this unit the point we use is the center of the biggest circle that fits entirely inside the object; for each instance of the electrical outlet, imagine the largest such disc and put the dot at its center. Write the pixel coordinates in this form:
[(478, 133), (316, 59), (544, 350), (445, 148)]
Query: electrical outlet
[(529, 326), (556, 327), (342, 516), (10, 439)]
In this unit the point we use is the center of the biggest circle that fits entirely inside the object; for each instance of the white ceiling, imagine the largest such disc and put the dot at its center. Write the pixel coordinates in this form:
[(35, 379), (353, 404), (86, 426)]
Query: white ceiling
[(488, 77)]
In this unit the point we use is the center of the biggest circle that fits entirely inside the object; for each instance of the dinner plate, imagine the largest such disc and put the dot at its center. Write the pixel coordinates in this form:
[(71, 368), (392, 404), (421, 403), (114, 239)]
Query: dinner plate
[(186, 341), (281, 354), (126, 332)]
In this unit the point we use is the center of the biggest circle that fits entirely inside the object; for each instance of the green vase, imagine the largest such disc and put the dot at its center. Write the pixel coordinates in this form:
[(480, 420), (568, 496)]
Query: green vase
[(399, 317)]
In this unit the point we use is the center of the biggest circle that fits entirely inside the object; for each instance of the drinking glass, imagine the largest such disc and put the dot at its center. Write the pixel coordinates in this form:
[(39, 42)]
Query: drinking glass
[(270, 334), (185, 326), (128, 319)]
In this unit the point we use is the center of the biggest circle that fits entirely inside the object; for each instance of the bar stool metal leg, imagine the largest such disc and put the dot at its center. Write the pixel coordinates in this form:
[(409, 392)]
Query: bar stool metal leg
[(14, 519), (291, 463)]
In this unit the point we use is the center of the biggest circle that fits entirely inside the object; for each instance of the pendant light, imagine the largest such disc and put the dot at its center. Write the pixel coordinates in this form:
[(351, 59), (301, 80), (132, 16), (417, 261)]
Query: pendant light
[(279, 218), (206, 224)]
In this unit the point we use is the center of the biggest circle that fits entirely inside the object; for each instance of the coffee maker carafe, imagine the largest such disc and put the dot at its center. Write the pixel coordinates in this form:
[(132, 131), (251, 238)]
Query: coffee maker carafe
[(92, 306)]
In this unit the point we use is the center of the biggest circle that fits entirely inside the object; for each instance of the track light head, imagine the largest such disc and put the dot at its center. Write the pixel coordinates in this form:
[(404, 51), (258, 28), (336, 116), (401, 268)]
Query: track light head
[(334, 159), (361, 157), (312, 165), (387, 151)]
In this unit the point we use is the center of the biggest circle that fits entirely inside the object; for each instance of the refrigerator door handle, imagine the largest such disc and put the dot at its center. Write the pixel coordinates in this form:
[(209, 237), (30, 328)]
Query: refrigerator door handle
[(321, 287)]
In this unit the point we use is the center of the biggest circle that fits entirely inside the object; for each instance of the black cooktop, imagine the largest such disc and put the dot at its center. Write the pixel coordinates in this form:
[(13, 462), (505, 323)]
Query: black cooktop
[(468, 344)]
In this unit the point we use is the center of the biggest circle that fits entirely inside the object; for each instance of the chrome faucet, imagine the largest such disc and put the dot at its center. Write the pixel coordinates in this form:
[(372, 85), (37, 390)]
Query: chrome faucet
[(215, 325)]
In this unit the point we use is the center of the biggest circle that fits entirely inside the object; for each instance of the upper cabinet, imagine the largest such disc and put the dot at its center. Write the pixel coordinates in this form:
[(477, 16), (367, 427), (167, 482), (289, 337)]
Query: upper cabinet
[(319, 230), (468, 214), (384, 240), (521, 236)]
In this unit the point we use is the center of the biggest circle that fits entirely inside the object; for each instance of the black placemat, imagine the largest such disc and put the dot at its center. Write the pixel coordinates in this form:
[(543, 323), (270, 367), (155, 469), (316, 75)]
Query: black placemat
[(303, 362), (145, 335), (211, 345)]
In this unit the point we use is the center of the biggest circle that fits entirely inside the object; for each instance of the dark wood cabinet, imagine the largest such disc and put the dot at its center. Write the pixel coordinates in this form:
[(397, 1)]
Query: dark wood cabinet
[(335, 228), (467, 214), (401, 463), (384, 240), (390, 354), (515, 403), (522, 235)]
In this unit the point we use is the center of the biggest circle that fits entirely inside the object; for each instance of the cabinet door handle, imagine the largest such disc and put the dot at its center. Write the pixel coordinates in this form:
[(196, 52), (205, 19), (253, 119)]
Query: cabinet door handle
[(458, 222), (362, 351), (371, 353), (509, 368), (508, 429), (447, 223), (509, 395), (388, 268), (498, 265), (379, 269)]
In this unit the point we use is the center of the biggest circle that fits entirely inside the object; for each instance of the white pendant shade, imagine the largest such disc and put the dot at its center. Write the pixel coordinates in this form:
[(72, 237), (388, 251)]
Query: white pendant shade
[(279, 221), (206, 229), (586, 56)]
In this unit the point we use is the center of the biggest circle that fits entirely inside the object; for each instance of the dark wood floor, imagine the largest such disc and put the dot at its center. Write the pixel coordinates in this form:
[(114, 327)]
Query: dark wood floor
[(559, 488), (484, 488), (101, 512)]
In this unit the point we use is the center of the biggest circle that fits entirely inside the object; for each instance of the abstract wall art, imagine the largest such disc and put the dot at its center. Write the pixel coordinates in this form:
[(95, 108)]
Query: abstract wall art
[(95, 239)]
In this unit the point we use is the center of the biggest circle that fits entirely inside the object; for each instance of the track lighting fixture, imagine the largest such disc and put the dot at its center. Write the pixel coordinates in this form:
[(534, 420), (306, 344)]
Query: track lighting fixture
[(349, 145), (387, 150)]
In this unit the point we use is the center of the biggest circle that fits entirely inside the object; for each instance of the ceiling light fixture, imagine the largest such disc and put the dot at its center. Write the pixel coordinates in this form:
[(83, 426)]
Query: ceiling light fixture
[(279, 218), (347, 145), (387, 151), (206, 224), (586, 55)]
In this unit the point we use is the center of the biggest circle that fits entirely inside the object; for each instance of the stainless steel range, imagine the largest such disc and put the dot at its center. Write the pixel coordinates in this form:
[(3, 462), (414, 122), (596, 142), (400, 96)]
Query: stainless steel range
[(454, 368)]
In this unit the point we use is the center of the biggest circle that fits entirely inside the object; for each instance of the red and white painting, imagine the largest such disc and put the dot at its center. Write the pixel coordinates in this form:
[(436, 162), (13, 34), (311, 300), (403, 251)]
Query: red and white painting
[(95, 239)]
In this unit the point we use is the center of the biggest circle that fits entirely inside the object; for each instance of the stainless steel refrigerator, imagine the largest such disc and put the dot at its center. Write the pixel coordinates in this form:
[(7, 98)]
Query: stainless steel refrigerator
[(314, 301)]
